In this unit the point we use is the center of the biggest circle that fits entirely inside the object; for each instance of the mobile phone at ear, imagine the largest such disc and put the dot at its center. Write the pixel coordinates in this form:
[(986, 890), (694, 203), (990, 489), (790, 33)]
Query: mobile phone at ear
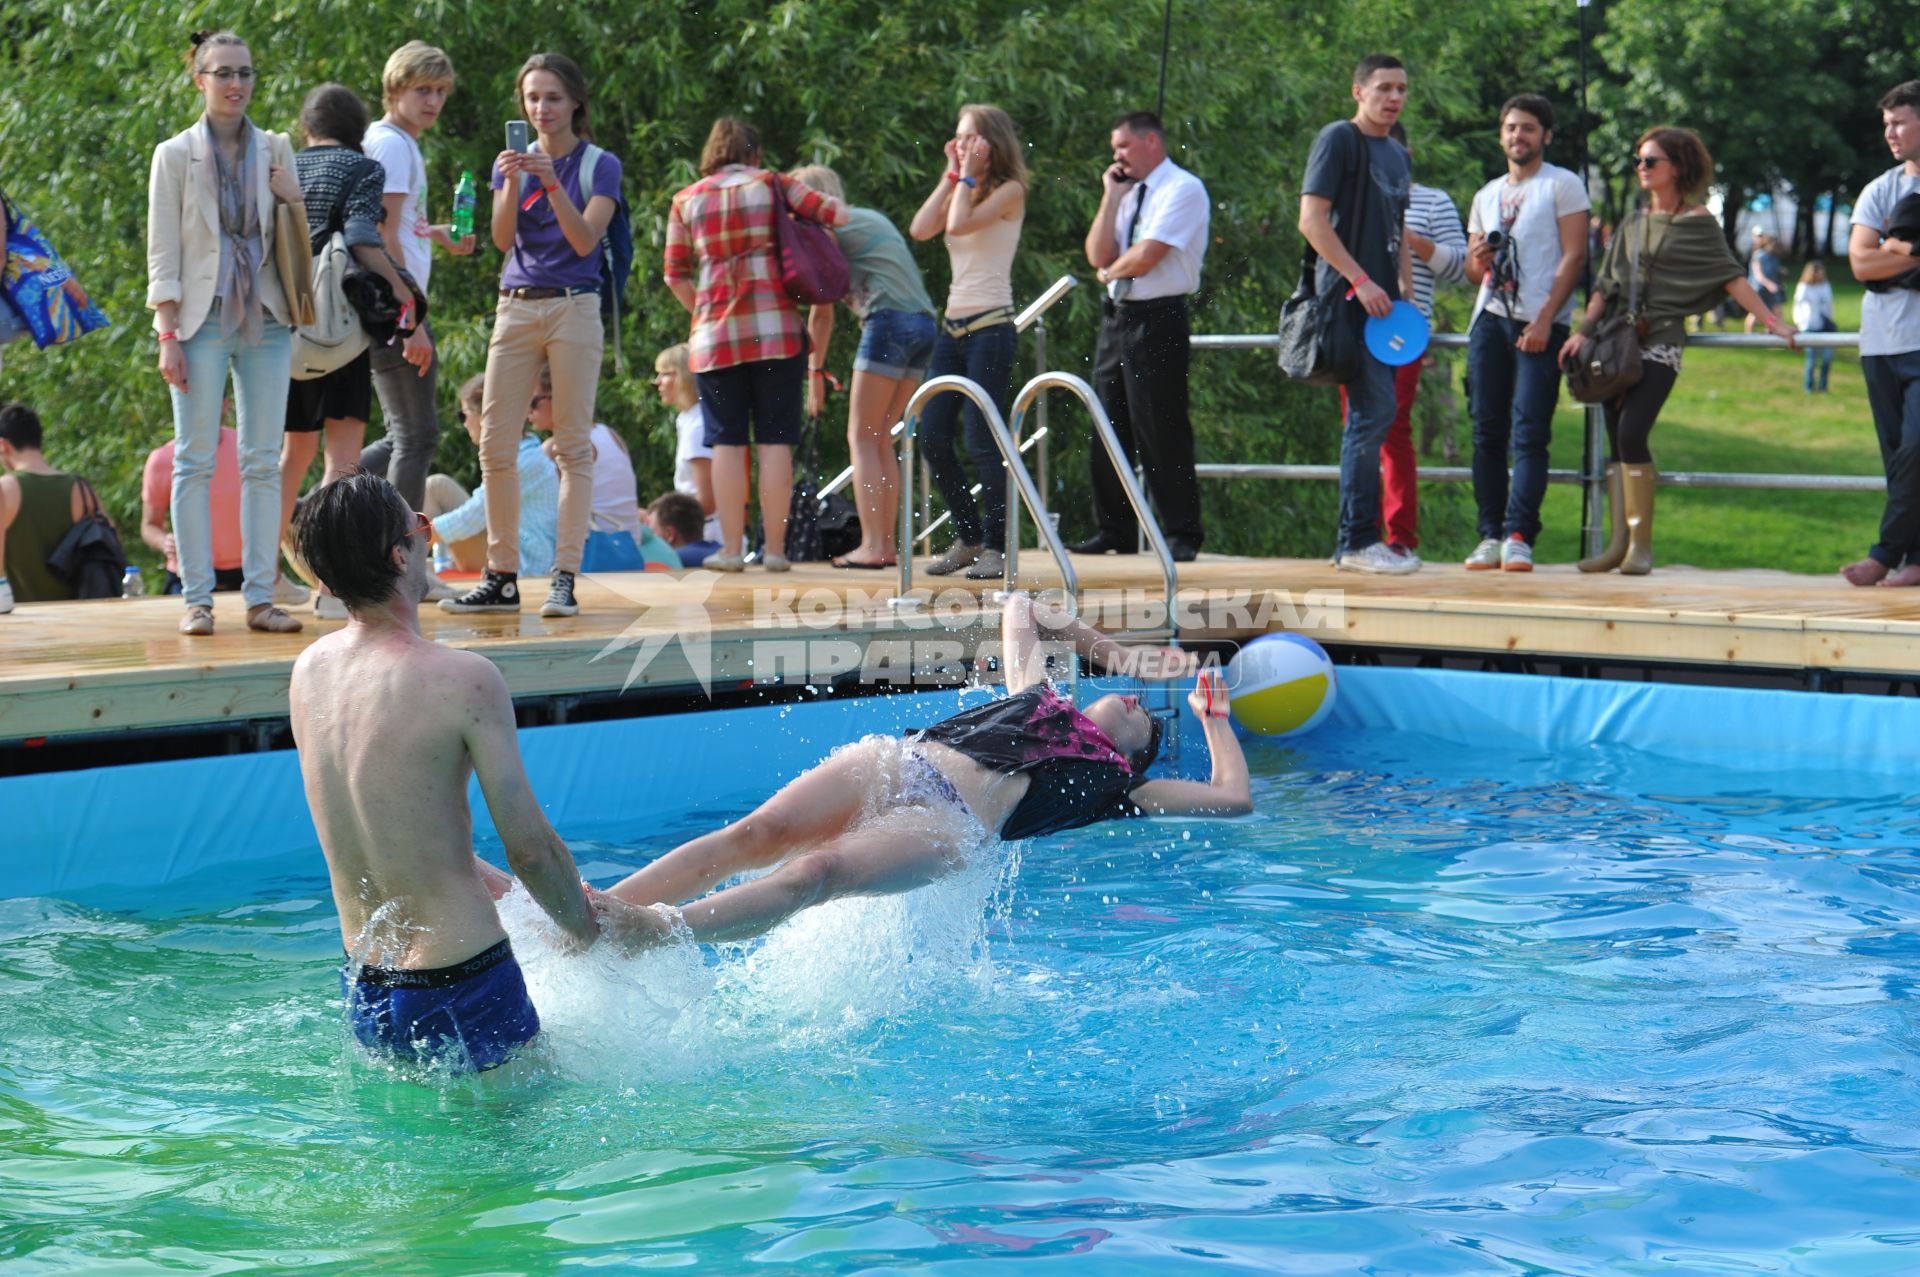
[(519, 137)]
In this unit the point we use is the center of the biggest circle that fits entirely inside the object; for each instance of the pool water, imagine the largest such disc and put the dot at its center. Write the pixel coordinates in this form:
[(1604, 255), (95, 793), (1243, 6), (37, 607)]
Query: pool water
[(1426, 1013)]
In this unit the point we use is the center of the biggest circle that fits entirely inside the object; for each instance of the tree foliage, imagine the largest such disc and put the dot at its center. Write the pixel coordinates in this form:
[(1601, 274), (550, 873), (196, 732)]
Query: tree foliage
[(871, 88)]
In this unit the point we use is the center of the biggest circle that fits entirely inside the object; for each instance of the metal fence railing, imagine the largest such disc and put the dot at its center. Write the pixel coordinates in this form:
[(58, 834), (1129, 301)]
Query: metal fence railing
[(1592, 479)]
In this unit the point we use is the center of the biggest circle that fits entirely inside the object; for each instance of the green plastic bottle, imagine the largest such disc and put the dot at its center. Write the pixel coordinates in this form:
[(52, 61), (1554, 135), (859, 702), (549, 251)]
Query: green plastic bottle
[(464, 197)]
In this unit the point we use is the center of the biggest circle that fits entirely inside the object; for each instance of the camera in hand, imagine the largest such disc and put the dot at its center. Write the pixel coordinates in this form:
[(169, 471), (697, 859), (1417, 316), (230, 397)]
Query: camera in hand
[(1502, 273)]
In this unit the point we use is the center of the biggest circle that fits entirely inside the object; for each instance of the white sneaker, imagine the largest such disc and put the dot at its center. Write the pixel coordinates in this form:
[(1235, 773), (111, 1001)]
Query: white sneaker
[(329, 608), (6, 596), (1485, 556), (288, 593), (1406, 554), (1378, 559), (1516, 555)]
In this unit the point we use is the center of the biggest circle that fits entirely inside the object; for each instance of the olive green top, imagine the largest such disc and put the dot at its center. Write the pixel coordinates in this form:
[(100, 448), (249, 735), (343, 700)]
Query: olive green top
[(46, 512), (1685, 267)]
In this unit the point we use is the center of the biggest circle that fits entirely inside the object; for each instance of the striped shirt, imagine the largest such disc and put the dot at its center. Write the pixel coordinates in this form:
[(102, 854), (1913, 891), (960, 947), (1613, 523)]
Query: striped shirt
[(539, 511), (1432, 214), (324, 172)]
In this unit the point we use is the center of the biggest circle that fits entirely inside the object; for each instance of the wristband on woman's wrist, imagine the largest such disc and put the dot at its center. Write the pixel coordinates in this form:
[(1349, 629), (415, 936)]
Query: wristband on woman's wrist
[(169, 335), (953, 175), (970, 181)]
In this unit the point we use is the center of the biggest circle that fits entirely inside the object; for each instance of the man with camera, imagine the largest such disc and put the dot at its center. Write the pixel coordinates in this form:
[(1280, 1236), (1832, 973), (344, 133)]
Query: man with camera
[(1526, 248)]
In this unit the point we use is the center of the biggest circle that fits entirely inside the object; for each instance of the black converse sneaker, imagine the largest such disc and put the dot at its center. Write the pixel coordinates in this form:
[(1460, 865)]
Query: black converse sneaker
[(497, 592), (560, 600)]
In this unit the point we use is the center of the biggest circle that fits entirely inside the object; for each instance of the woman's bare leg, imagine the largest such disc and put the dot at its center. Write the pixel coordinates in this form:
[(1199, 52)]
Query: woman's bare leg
[(909, 849), (776, 491), (874, 407), (814, 807)]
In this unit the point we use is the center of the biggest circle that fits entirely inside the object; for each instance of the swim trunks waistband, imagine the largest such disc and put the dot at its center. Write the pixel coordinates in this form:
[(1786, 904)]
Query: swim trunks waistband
[(436, 977)]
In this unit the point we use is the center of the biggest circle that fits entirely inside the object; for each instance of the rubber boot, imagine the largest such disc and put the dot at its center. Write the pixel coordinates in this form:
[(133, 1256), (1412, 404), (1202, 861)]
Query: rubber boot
[(1609, 559), (1636, 483)]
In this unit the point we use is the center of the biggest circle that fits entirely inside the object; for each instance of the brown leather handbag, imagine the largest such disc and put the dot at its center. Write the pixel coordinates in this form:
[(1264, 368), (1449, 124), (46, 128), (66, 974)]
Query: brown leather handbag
[(292, 256), (1608, 365)]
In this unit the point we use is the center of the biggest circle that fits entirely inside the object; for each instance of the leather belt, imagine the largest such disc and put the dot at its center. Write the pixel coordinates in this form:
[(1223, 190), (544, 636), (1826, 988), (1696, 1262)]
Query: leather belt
[(528, 294), (974, 323)]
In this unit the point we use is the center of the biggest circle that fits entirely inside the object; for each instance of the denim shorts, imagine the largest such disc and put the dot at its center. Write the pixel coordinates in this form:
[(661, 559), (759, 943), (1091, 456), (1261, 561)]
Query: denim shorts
[(896, 343)]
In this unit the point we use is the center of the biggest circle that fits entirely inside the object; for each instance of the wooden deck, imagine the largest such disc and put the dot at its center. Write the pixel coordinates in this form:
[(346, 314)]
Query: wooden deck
[(118, 665)]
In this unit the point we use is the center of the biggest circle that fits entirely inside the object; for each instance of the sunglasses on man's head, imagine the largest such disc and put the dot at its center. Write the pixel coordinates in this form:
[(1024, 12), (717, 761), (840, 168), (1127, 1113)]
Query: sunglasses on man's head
[(421, 524)]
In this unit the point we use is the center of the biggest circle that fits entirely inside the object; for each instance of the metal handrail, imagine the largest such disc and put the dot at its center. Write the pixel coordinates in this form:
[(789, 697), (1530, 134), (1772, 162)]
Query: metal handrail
[(1035, 313), (1009, 455), (1593, 480), (1034, 393)]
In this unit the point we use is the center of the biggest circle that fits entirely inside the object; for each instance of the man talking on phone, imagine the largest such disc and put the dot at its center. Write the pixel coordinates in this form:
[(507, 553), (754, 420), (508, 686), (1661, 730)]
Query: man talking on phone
[(1147, 242)]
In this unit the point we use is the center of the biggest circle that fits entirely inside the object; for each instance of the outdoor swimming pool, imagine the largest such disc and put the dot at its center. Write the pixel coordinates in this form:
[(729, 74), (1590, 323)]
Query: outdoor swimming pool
[(1524, 1007)]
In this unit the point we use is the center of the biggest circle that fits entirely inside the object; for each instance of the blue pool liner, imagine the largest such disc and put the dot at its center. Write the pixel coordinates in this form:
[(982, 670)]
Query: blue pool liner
[(152, 823)]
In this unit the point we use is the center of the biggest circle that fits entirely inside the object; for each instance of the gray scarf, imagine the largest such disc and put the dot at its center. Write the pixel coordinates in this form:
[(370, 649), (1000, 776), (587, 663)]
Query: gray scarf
[(240, 224)]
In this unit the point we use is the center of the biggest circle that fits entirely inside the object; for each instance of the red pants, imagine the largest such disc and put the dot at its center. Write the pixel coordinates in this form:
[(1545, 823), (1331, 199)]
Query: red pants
[(1399, 472)]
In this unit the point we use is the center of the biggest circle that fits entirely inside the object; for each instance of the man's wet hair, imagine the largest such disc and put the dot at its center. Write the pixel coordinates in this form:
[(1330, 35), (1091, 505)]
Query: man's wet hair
[(345, 533)]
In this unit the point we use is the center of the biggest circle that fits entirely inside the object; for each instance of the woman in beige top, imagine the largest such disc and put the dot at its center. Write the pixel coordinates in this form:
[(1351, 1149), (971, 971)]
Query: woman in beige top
[(218, 306), (979, 202)]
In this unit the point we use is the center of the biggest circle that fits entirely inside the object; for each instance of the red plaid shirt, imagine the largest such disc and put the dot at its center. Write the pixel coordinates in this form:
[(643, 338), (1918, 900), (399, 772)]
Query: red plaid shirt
[(720, 234)]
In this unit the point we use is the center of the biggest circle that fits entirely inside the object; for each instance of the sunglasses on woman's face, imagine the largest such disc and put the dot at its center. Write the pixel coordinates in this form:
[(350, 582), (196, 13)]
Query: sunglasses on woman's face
[(1648, 161)]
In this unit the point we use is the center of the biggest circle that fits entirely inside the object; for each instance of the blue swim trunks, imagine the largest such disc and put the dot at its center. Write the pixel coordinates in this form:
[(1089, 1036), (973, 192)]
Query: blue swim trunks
[(470, 1017)]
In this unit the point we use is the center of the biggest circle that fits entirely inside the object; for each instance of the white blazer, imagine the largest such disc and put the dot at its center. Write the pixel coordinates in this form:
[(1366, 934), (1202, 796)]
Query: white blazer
[(183, 226)]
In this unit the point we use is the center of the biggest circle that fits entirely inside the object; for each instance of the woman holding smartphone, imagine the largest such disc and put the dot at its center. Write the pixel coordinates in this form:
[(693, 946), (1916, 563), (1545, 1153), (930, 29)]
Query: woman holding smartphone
[(548, 218), (979, 203), (218, 307)]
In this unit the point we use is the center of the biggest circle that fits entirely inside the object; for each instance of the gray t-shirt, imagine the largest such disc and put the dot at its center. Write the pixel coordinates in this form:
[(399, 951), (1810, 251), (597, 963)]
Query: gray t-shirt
[(1890, 321), (881, 273), (1330, 171)]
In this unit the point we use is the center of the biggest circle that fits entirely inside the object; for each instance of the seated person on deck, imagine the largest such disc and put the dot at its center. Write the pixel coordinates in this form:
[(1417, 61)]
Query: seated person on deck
[(888, 815), (389, 726)]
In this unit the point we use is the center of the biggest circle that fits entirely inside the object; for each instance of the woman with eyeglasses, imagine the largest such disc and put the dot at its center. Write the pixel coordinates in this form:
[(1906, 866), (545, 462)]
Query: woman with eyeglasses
[(1672, 258), (460, 517), (979, 204), (219, 309)]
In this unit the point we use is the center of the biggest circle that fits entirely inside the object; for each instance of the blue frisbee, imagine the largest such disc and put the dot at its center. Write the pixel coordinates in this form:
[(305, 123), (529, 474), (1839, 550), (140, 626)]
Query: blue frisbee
[(1399, 336)]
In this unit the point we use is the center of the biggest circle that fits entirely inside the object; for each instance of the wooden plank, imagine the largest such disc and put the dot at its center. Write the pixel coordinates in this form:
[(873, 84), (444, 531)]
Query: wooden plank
[(119, 665)]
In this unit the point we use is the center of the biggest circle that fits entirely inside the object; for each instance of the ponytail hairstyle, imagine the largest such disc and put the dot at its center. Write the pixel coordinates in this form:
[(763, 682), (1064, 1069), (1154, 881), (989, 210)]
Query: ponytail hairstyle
[(729, 141), (567, 71), (205, 41), (1008, 162)]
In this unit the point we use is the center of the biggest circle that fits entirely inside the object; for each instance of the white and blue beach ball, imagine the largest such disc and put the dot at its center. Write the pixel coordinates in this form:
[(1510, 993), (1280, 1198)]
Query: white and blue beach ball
[(1281, 684)]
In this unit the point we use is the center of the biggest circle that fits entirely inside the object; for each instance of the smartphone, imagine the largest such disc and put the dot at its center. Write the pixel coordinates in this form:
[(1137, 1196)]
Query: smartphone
[(518, 136)]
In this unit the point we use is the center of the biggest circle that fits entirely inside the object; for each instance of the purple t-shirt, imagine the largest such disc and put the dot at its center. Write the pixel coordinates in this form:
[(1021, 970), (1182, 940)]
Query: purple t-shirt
[(541, 256)]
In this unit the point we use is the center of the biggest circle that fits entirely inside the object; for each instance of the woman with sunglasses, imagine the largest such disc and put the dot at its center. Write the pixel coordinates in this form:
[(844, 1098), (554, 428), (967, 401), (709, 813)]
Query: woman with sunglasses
[(1672, 258), (219, 309)]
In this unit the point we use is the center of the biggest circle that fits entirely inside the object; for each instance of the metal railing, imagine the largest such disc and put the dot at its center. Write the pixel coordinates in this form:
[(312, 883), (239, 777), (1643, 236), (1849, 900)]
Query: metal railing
[(1034, 317), (1034, 395), (1016, 471), (1593, 479)]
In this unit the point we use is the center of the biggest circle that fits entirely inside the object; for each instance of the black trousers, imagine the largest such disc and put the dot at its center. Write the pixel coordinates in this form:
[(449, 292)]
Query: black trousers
[(1140, 374)]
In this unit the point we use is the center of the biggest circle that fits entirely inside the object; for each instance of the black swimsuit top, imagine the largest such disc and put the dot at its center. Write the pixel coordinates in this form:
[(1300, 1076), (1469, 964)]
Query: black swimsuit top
[(1075, 775)]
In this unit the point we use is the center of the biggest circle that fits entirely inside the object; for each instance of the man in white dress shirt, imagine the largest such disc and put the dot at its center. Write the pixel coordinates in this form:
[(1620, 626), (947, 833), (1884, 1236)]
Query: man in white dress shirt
[(1147, 242)]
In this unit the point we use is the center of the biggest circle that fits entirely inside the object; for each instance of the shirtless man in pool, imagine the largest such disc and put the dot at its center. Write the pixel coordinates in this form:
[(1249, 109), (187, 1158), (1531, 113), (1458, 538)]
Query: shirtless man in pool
[(888, 815), (389, 727)]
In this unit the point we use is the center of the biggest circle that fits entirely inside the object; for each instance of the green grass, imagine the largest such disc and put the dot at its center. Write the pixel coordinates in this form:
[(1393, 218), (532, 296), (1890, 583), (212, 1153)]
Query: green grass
[(1732, 411)]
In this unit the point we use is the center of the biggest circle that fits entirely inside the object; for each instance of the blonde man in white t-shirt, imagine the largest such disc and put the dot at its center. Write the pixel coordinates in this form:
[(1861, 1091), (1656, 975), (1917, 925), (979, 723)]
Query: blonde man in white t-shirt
[(414, 85), (1526, 248)]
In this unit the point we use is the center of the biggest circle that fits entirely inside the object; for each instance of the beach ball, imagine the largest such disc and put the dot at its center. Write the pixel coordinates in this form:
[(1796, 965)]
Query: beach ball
[(1281, 684)]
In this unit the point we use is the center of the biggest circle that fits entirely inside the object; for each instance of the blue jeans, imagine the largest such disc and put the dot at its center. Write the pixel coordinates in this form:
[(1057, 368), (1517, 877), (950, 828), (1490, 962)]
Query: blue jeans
[(1823, 357), (986, 358), (1513, 395), (1370, 409), (1893, 393), (260, 377)]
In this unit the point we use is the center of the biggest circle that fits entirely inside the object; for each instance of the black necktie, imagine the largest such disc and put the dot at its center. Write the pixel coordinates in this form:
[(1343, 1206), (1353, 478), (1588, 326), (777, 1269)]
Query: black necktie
[(1121, 287)]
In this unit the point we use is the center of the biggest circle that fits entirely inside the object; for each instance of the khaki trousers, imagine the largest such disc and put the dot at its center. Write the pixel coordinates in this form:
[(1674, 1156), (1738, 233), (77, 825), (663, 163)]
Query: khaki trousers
[(563, 333)]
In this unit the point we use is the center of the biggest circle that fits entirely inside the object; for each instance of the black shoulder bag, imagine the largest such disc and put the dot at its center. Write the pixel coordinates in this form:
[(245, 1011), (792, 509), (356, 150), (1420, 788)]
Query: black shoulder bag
[(1320, 331), (90, 557), (1608, 365)]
